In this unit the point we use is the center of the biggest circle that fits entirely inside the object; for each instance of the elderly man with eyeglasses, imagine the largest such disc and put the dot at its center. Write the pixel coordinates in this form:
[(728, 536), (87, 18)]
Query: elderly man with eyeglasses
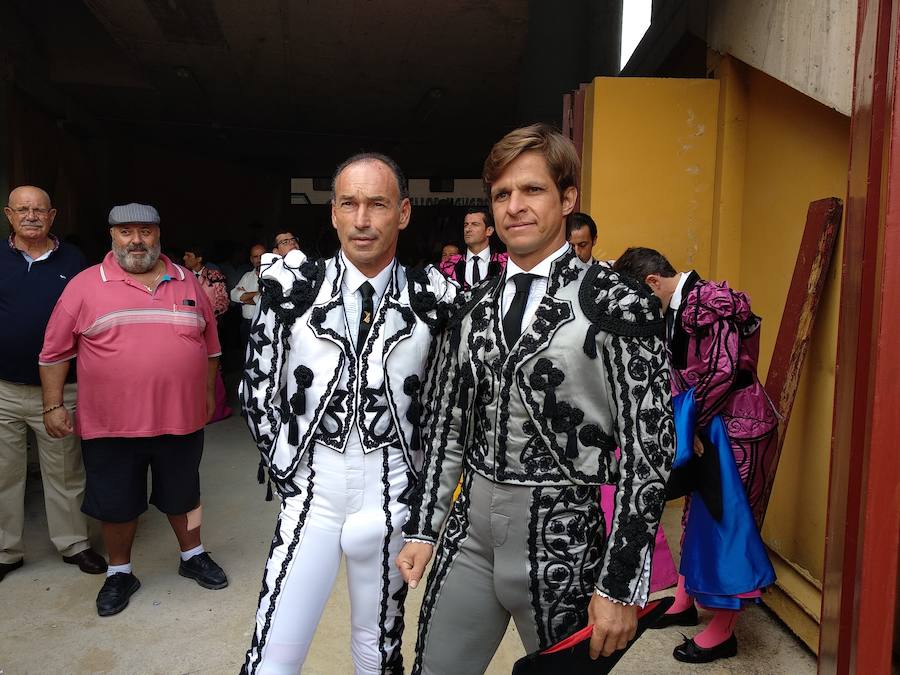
[(34, 269)]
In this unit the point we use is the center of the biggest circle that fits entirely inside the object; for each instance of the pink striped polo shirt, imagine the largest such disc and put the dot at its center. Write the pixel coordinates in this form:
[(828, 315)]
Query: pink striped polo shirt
[(142, 357)]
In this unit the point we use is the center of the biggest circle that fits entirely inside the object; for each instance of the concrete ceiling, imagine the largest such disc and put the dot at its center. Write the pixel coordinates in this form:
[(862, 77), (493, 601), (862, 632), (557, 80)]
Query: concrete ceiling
[(298, 84)]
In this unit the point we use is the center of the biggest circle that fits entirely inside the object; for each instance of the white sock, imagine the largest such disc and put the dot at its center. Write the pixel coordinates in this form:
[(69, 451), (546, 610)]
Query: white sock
[(187, 555), (112, 569)]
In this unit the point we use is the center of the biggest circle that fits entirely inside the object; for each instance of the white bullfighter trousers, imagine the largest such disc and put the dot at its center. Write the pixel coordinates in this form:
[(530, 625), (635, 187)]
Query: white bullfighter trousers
[(338, 503)]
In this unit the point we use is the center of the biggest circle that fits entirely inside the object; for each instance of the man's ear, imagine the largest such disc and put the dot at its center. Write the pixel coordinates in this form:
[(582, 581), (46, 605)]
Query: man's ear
[(569, 197), (405, 213), (489, 230)]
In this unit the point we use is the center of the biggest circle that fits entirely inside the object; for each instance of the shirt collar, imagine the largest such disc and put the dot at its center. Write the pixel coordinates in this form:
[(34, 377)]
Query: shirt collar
[(542, 269), (353, 278), (675, 302), (12, 242), (484, 254), (110, 270)]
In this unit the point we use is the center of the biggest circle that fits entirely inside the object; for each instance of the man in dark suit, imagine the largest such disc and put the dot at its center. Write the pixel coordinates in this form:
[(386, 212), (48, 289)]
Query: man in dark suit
[(479, 262)]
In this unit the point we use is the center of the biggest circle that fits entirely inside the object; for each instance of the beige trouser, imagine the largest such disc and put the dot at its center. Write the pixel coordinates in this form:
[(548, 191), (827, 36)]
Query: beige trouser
[(61, 470)]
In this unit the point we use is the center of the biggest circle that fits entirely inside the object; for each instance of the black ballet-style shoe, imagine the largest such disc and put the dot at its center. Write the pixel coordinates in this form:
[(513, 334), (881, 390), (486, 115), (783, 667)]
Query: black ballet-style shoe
[(689, 652), (687, 617)]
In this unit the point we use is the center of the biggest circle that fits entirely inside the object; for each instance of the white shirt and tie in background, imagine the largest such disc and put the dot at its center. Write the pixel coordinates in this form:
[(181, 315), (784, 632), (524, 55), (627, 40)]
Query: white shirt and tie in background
[(477, 265)]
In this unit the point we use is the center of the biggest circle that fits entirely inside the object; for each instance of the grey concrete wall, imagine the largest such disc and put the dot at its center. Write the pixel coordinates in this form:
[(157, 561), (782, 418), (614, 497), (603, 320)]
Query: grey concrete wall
[(807, 44)]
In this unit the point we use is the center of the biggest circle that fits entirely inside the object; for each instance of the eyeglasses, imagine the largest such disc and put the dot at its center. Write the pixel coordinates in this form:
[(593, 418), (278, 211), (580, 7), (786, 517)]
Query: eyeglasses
[(23, 211), (286, 241)]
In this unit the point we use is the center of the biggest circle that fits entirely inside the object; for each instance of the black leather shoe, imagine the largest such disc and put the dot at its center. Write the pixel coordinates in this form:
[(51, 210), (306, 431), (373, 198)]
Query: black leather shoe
[(689, 652), (204, 570), (88, 561), (687, 617), (6, 568), (116, 591)]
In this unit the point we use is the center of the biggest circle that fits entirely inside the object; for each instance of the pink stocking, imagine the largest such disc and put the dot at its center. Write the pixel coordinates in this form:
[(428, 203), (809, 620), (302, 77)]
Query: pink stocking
[(682, 600), (719, 629)]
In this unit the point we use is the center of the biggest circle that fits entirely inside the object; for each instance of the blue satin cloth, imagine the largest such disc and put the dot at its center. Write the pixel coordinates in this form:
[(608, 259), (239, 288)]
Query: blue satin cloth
[(685, 411), (719, 560)]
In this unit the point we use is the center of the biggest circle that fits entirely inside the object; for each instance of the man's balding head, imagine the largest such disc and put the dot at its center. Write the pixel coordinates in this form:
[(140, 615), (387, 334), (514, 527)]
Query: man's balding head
[(24, 191), (30, 215)]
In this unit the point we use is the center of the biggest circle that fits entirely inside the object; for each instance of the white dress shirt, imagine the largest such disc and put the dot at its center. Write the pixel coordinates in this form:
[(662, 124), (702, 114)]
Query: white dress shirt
[(352, 297), (249, 283), (538, 285), (483, 258)]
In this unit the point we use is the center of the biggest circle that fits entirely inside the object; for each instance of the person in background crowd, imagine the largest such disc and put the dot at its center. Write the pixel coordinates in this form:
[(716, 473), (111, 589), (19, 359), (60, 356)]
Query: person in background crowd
[(247, 290), (214, 285), (212, 281), (581, 232), (285, 242), (35, 267), (448, 251), (479, 262), (145, 336)]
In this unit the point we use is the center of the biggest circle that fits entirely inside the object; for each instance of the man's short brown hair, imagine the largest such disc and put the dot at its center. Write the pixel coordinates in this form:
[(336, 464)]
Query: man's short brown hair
[(558, 151)]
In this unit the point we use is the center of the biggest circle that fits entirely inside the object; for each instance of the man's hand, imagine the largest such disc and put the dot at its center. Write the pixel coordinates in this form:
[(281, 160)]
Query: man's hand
[(210, 405), (412, 560), (698, 446), (614, 625), (249, 298), (58, 423)]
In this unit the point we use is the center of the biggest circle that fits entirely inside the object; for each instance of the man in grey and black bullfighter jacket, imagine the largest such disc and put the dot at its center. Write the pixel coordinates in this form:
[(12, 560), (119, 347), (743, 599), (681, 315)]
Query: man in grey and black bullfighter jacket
[(545, 371), (331, 393)]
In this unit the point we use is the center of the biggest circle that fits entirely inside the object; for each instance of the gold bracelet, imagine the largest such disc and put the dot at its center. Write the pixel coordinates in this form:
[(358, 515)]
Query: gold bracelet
[(52, 408)]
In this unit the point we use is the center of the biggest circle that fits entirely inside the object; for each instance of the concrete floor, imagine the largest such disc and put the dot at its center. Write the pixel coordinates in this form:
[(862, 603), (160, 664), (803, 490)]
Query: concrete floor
[(48, 621)]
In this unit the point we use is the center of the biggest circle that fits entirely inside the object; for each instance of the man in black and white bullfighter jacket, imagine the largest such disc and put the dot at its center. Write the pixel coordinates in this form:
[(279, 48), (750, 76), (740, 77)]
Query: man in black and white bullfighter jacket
[(547, 370), (331, 393)]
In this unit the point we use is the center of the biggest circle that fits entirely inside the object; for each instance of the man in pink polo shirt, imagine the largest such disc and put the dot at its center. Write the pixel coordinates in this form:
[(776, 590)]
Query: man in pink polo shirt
[(147, 348)]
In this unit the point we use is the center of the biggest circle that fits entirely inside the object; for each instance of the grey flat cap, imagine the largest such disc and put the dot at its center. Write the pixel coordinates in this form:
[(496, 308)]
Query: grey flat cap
[(133, 213)]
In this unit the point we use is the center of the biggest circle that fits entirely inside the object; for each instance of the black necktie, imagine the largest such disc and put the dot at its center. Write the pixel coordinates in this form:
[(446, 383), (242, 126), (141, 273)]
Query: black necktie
[(476, 271), (512, 322), (670, 323), (366, 316)]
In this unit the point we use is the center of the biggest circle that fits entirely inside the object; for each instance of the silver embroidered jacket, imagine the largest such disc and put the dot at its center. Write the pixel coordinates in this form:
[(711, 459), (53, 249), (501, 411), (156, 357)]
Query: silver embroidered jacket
[(589, 375), (303, 382)]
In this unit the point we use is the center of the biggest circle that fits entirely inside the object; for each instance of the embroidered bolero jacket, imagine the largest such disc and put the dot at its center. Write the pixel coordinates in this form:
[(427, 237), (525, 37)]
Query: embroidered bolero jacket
[(454, 267), (303, 381), (588, 375), (714, 350)]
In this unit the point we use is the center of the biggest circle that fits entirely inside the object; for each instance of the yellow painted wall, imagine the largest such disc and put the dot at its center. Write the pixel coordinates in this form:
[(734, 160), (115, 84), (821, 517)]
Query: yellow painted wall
[(649, 166), (718, 174), (797, 152)]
